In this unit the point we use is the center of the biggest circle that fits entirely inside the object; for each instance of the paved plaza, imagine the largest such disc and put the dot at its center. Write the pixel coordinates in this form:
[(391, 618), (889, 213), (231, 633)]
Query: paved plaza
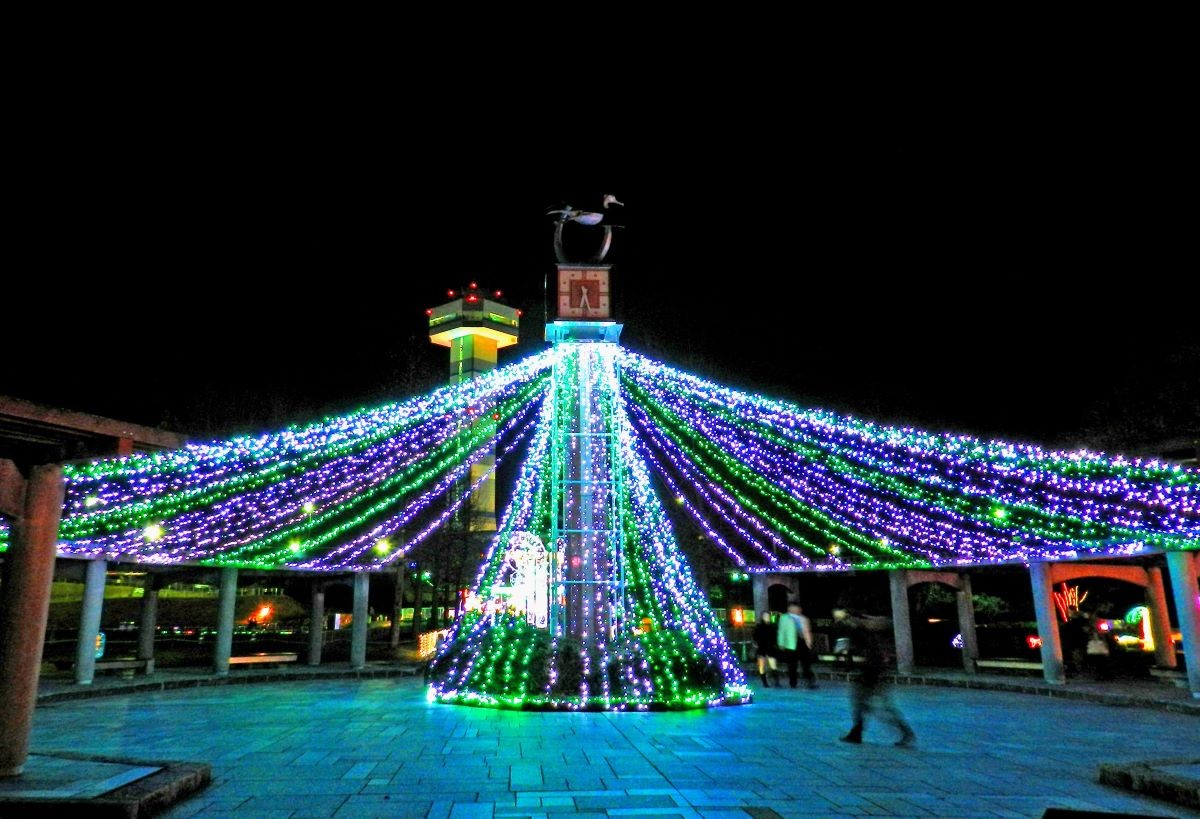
[(376, 747)]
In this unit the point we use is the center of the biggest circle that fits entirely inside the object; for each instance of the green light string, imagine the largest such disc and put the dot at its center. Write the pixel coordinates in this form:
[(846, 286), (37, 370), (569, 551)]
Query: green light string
[(378, 500), (738, 481)]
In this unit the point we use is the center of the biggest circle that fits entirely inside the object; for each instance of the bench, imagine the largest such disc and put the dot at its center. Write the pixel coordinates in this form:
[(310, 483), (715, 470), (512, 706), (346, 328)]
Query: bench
[(1017, 667), (264, 658), (1172, 676), (129, 664)]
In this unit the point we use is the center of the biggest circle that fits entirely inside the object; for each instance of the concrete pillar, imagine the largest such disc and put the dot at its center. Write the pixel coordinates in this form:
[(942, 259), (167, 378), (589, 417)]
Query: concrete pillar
[(966, 624), (397, 606), (417, 588), (901, 620), (226, 608), (360, 622), (1047, 621), (1182, 566), (89, 620), (316, 624), (758, 587), (1160, 619), (148, 622), (25, 604), (436, 593)]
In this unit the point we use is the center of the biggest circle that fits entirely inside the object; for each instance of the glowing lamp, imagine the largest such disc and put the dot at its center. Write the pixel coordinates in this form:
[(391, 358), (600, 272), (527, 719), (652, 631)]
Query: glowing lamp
[(152, 532), (1033, 641)]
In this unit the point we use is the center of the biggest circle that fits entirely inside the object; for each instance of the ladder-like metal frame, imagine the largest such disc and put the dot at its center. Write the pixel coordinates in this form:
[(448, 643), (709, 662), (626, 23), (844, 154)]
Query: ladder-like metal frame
[(569, 416)]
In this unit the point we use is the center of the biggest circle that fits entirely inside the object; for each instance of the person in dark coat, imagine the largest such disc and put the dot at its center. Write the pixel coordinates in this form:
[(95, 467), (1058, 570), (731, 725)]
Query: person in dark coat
[(868, 689), (764, 648)]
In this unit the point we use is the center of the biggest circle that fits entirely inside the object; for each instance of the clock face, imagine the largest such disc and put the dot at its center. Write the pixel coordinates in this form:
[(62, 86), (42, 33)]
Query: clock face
[(583, 293)]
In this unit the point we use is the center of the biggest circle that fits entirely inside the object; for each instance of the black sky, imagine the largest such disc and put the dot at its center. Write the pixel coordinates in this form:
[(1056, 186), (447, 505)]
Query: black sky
[(1024, 272)]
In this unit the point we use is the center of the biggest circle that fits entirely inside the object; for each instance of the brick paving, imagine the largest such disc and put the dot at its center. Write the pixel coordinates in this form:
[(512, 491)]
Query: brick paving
[(333, 747)]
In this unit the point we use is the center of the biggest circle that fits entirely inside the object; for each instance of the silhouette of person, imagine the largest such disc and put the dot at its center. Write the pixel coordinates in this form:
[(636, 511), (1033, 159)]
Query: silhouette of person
[(794, 640), (869, 691), (764, 648)]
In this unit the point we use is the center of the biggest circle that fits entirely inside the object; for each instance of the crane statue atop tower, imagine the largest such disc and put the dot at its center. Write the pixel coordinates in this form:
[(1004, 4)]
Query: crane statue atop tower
[(567, 612)]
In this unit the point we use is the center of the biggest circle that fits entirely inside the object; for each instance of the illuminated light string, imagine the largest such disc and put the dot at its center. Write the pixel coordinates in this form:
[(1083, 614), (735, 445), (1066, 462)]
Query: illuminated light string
[(341, 471), (1123, 493), (1175, 472), (280, 512), (1075, 462), (243, 518), (313, 529), (527, 511), (351, 551), (712, 495), (704, 456), (841, 528), (130, 486), (988, 532), (842, 466), (775, 486), (500, 660), (654, 542)]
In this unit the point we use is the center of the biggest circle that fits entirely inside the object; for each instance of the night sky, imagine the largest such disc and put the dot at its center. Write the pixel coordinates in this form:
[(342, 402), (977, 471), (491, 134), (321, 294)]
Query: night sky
[(1027, 278)]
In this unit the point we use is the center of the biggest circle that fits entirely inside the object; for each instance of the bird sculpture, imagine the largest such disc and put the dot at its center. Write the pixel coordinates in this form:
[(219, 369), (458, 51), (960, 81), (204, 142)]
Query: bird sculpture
[(584, 217)]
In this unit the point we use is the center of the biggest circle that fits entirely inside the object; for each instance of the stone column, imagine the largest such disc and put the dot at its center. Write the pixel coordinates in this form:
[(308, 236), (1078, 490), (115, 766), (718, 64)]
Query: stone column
[(316, 623), (35, 507), (417, 589), (1047, 620), (758, 586), (1182, 566), (397, 605), (89, 620), (226, 608), (360, 623), (1160, 619), (435, 609), (148, 622), (901, 621), (966, 624)]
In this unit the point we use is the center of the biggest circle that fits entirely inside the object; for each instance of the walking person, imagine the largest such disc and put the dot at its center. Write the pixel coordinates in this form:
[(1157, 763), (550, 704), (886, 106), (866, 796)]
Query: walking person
[(794, 640), (804, 646), (764, 648), (868, 690)]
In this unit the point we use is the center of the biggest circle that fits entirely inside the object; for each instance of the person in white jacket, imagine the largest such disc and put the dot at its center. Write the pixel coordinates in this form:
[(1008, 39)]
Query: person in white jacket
[(795, 639)]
